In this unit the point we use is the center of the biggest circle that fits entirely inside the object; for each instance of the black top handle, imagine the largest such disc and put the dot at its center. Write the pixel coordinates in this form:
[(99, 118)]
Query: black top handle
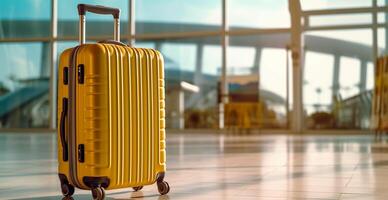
[(83, 8)]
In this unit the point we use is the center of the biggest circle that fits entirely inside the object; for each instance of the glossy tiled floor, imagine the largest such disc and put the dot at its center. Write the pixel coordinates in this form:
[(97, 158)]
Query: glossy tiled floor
[(221, 167)]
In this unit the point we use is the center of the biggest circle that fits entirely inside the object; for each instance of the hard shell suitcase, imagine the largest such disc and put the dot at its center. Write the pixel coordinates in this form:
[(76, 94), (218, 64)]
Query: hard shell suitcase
[(384, 96), (110, 115)]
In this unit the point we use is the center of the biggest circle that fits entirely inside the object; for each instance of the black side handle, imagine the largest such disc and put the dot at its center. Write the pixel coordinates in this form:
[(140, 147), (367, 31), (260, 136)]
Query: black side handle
[(62, 130)]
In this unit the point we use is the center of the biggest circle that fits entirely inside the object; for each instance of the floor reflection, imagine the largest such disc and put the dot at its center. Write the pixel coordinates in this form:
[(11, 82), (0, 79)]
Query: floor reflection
[(215, 166)]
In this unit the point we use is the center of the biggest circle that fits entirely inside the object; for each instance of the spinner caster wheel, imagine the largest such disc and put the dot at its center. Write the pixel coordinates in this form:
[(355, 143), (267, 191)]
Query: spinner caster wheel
[(163, 187), (67, 190), (137, 188), (98, 193)]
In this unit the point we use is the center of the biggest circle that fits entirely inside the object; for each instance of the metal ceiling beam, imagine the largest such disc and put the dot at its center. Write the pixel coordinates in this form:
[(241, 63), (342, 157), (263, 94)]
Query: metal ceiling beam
[(345, 11)]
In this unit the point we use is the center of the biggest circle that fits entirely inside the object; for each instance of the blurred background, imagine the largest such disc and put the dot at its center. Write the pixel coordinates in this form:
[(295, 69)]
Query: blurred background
[(242, 77), (228, 63)]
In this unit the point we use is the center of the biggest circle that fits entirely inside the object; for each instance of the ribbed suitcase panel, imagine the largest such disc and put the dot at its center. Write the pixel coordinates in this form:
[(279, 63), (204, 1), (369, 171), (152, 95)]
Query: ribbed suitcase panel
[(92, 106), (146, 130), (151, 114), (134, 115), (161, 118), (139, 116)]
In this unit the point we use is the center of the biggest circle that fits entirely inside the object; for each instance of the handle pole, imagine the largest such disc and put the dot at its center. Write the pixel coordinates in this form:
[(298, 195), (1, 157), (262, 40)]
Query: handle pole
[(116, 30), (83, 8), (81, 29)]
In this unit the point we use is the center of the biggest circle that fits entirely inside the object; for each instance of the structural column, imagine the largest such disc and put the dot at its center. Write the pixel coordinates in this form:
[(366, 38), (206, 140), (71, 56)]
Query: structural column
[(256, 67), (158, 46), (198, 78), (131, 23), (256, 62), (224, 83), (46, 60), (297, 65), (181, 109), (53, 68), (288, 86), (198, 65), (363, 74), (336, 72), (374, 31)]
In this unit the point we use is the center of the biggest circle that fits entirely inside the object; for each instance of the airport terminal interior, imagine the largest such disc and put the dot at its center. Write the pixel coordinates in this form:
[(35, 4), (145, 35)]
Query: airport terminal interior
[(265, 99)]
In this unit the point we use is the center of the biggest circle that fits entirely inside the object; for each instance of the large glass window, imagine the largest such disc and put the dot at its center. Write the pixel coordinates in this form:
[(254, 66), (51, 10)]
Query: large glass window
[(370, 81), (382, 41), (242, 60), (195, 61), (382, 2), (342, 19), (383, 32), (258, 14), (177, 16), (173, 26), (256, 97), (354, 36), (24, 85), (330, 4), (23, 19), (338, 76), (318, 91), (349, 85)]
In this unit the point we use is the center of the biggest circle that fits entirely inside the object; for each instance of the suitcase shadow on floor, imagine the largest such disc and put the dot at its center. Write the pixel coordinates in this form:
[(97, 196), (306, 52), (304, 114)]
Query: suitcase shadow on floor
[(131, 195), (139, 195), (75, 197)]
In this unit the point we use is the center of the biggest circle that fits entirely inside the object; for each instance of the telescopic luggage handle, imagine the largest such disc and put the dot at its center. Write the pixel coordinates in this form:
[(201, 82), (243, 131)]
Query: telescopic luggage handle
[(83, 8)]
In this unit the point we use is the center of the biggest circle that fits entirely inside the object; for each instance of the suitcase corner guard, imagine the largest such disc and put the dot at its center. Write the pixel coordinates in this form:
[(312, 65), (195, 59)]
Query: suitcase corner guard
[(66, 188)]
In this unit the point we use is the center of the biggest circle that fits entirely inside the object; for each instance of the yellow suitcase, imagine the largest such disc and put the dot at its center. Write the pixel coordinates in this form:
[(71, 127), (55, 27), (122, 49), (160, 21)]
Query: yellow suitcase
[(384, 96), (377, 96), (111, 115)]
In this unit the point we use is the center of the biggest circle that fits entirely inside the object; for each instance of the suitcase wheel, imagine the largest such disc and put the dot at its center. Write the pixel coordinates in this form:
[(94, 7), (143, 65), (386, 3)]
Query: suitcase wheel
[(163, 187), (67, 190), (98, 193), (137, 188)]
